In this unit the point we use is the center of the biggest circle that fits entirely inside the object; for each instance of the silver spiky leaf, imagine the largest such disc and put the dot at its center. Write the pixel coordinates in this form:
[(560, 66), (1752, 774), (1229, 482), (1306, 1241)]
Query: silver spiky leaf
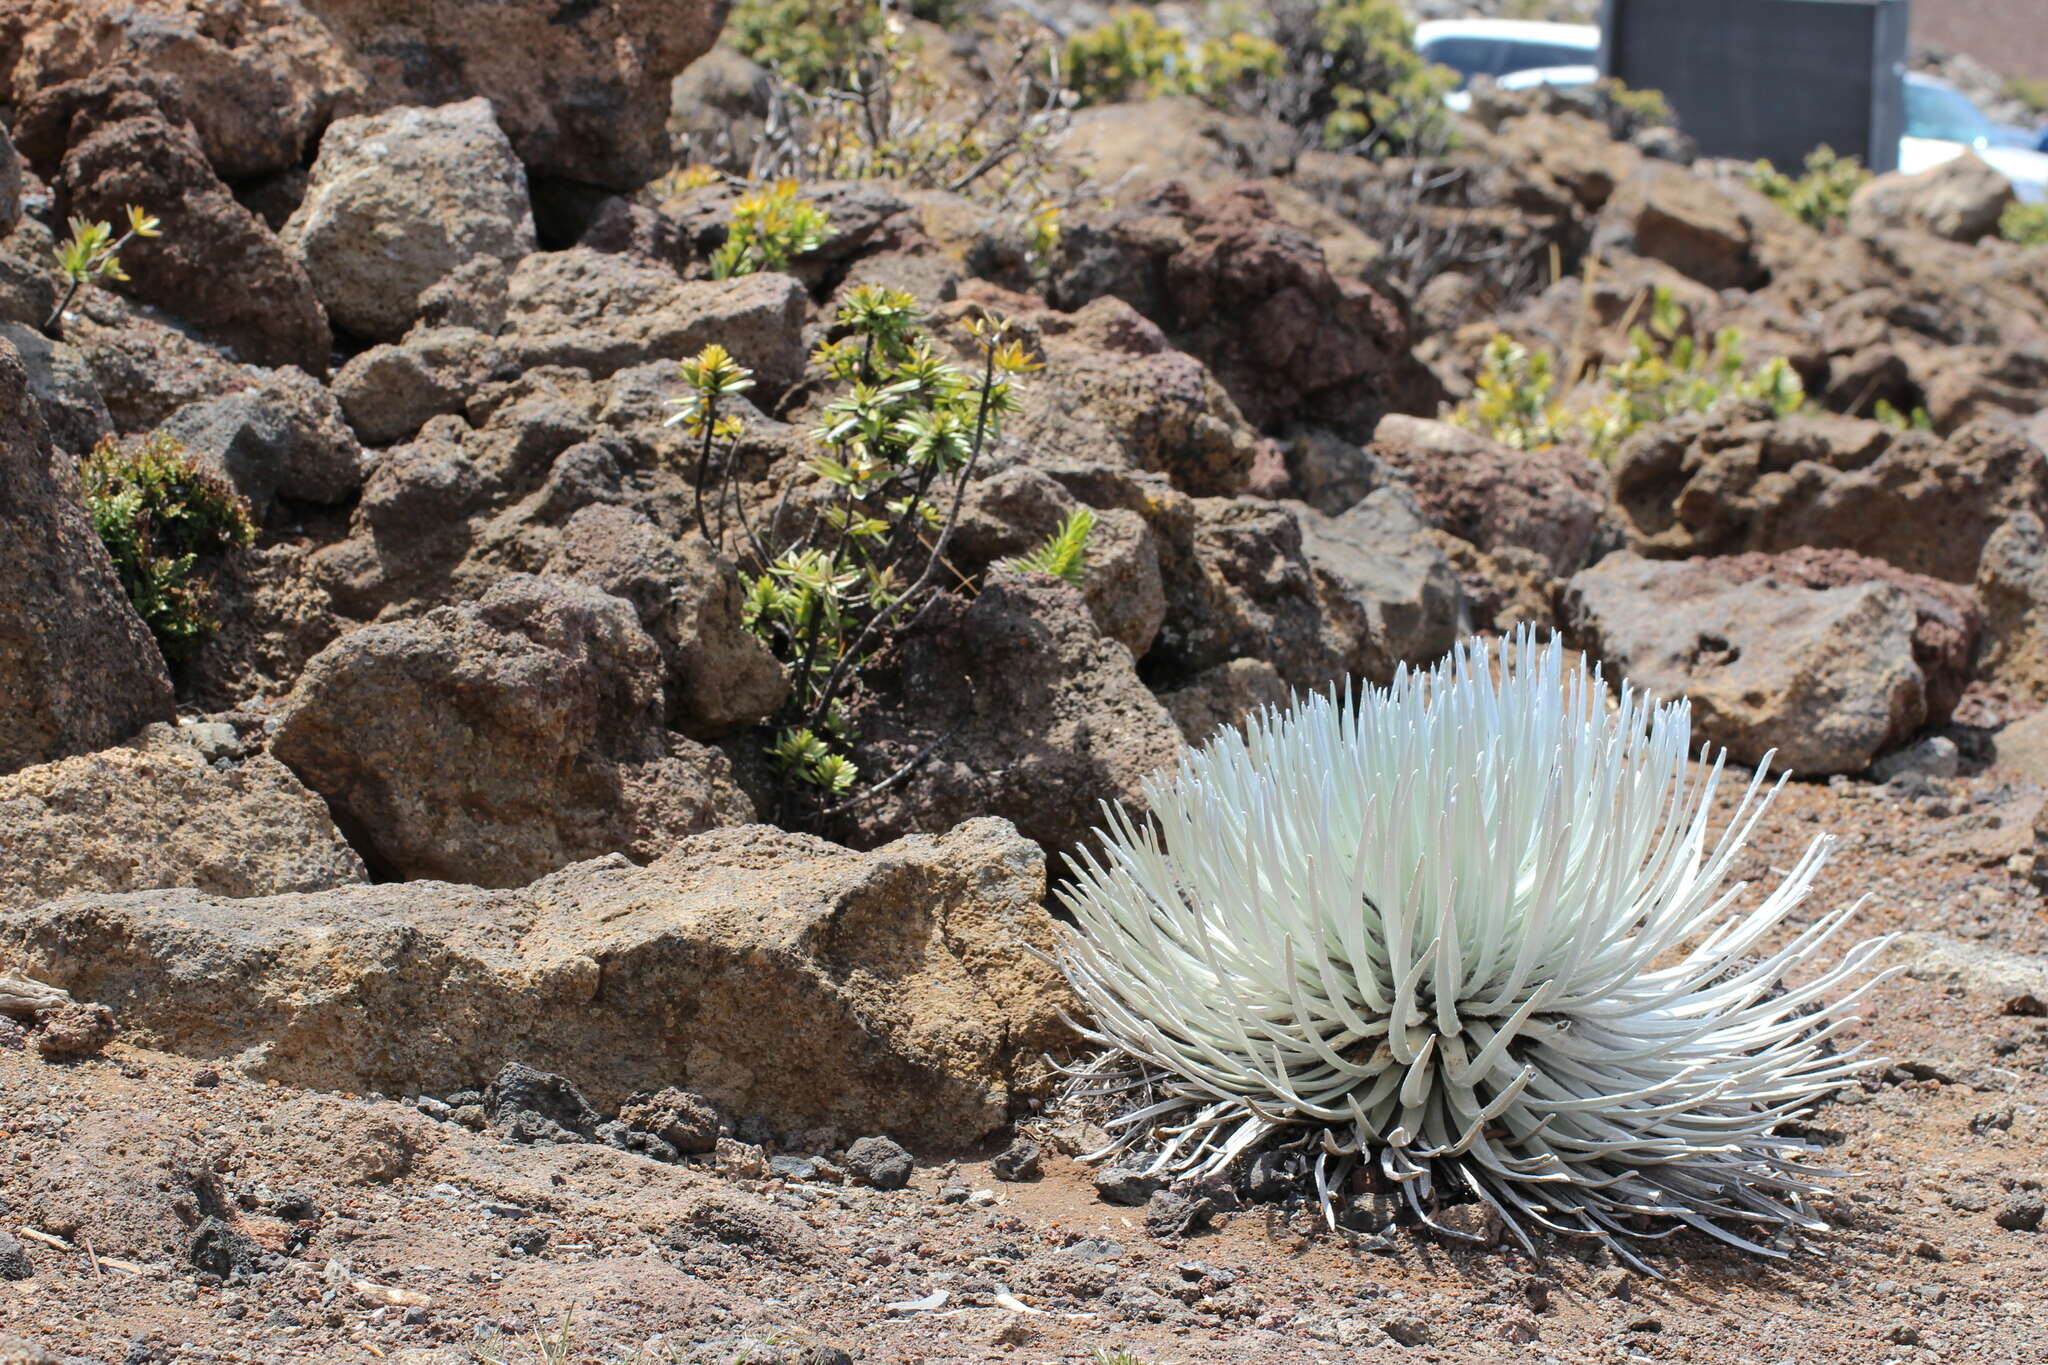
[(1468, 929)]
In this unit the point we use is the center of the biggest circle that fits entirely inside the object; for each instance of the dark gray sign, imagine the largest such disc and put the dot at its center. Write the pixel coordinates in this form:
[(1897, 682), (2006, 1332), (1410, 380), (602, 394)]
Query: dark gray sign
[(1769, 78)]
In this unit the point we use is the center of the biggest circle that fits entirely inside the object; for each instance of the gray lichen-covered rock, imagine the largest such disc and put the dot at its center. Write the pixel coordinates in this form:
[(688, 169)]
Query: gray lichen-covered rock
[(60, 379), (1825, 677), (78, 669), (494, 742), (602, 312), (894, 991), (282, 438), (97, 822), (399, 199)]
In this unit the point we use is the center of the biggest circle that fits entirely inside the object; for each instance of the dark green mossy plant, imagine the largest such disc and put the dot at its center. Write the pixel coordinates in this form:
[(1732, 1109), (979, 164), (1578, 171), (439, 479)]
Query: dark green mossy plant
[(167, 523)]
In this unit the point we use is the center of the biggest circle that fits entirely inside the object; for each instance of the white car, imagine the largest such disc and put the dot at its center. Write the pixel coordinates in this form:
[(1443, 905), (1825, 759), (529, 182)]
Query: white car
[(1942, 124), (1514, 52)]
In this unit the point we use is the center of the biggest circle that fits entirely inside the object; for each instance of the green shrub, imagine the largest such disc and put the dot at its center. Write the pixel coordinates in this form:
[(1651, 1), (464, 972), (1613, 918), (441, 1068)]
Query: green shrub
[(2031, 91), (769, 229), (1918, 420), (166, 523), (1064, 554), (1514, 399), (1633, 110), (1819, 198), (2026, 224), (901, 440), (809, 43), (883, 112), (1133, 54), (1129, 54), (1373, 93), (1665, 373)]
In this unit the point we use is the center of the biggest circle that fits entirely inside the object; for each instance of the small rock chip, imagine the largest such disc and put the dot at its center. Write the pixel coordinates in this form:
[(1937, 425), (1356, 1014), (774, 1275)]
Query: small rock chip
[(2022, 1213), (1477, 1223), (297, 1206), (1408, 1331), (616, 1134), (1173, 1213), (738, 1160), (1126, 1187), (880, 1162), (218, 1249), (1021, 1160), (683, 1119), (526, 1105), (528, 1241), (787, 1167), (14, 1262), (75, 1031), (1616, 1284), (1275, 1175)]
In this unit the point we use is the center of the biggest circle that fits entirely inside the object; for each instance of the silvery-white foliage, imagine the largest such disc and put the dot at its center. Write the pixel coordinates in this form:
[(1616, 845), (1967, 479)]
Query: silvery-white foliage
[(1468, 929)]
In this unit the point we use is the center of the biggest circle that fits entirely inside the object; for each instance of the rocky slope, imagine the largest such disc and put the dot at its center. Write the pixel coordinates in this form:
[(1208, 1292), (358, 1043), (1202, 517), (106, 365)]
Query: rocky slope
[(469, 777)]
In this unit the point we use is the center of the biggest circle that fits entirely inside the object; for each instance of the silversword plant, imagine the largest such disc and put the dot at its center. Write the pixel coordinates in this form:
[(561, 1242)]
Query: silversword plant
[(1469, 933)]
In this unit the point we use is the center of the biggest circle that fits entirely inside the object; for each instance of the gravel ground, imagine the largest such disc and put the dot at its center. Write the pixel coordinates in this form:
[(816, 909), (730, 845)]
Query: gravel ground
[(395, 1237)]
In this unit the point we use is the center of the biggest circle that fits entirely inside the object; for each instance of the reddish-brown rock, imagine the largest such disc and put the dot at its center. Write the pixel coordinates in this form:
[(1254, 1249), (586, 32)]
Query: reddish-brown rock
[(1255, 300), (216, 265)]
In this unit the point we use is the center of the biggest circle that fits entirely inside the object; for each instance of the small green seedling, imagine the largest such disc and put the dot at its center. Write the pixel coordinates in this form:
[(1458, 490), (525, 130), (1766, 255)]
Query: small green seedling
[(93, 253)]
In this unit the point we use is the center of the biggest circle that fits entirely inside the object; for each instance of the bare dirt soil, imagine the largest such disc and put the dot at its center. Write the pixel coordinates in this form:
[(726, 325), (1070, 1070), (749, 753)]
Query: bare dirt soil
[(394, 1237)]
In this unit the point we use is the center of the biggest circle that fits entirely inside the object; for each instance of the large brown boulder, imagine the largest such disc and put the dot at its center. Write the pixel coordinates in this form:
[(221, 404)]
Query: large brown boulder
[(582, 89), (78, 669), (1320, 598), (1960, 200), (1254, 299), (216, 265), (1037, 717), (2012, 580), (779, 975), (494, 742), (1822, 678), (1548, 502), (98, 822), (1736, 481), (396, 201), (1719, 233), (1947, 618), (1115, 392)]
